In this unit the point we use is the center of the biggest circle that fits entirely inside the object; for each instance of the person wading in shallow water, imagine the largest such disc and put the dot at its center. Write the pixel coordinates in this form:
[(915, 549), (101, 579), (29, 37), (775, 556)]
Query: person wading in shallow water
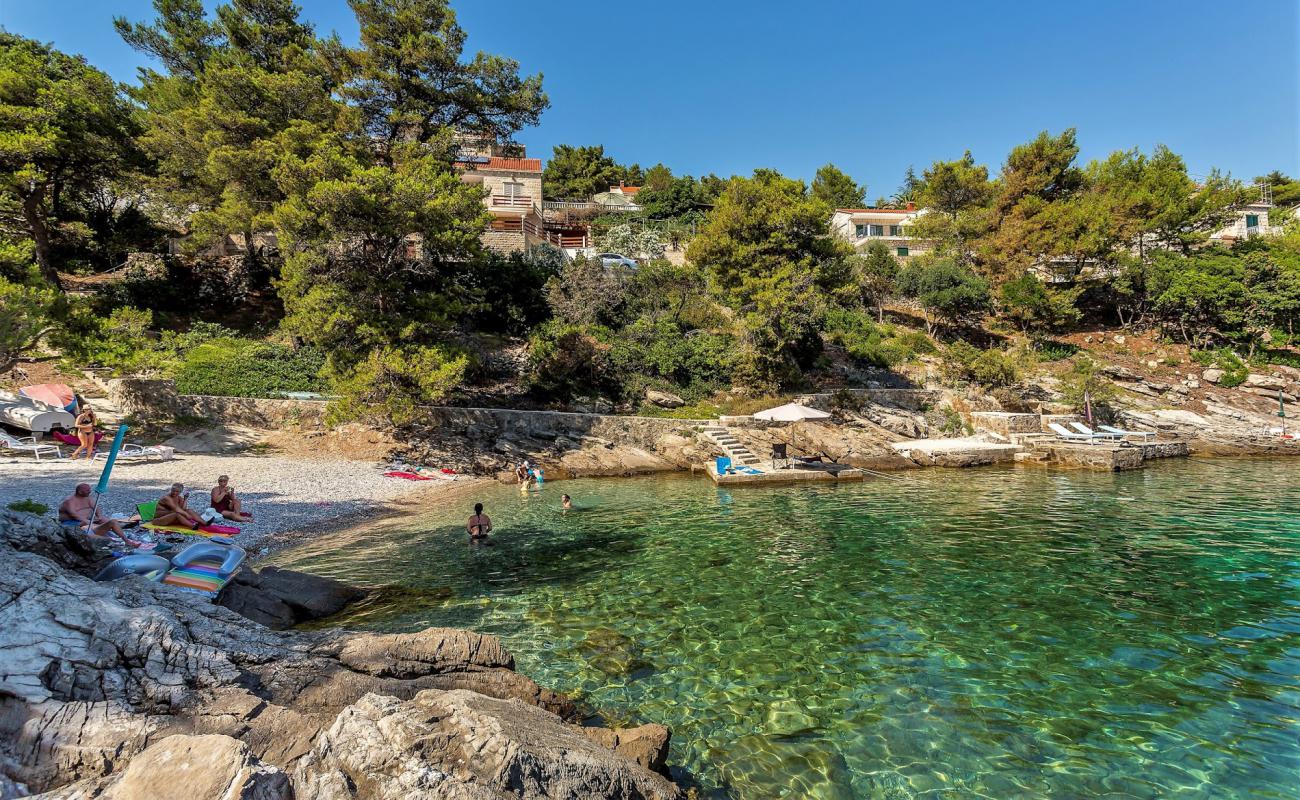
[(479, 525)]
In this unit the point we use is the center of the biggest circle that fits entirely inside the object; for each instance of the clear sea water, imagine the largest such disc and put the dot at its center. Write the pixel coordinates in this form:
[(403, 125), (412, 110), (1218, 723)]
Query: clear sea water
[(995, 632)]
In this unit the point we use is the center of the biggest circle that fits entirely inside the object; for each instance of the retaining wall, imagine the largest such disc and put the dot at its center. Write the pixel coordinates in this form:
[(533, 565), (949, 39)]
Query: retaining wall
[(158, 399)]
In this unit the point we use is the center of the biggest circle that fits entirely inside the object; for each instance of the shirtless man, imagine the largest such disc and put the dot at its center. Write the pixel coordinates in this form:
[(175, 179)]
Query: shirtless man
[(74, 513), (479, 525), (172, 511)]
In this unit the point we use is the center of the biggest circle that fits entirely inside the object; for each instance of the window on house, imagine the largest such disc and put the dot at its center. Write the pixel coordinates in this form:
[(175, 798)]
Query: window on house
[(1252, 220), (895, 230), (876, 230), (902, 252), (514, 189), (860, 230)]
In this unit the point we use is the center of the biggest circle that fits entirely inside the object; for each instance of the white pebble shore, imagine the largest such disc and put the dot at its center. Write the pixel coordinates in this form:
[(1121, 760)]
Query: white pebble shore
[(283, 494)]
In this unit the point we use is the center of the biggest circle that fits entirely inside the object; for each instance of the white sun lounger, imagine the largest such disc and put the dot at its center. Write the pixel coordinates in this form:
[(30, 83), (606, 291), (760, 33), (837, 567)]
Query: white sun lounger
[(1069, 435), (28, 444), (1084, 429), (1122, 432), (161, 452)]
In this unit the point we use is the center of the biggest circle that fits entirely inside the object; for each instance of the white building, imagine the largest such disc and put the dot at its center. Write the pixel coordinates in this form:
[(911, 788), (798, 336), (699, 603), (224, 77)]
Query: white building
[(862, 227)]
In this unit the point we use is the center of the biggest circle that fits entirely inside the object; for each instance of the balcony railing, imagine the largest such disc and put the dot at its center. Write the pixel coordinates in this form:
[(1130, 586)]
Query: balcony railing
[(512, 200)]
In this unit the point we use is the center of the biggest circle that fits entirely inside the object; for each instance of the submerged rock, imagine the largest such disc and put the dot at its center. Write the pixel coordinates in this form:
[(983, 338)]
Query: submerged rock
[(109, 688)]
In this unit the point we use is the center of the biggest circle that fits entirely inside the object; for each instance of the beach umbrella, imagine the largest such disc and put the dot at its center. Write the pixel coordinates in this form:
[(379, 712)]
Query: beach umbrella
[(1281, 410), (102, 486), (1087, 406), (791, 412)]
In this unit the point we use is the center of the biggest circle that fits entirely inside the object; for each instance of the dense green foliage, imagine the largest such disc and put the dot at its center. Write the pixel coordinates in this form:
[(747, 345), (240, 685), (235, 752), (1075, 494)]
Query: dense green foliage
[(836, 189), (242, 368), (578, 173), (331, 170)]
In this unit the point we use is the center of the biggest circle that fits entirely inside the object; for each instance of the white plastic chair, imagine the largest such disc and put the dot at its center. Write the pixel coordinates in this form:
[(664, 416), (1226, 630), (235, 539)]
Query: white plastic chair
[(28, 444)]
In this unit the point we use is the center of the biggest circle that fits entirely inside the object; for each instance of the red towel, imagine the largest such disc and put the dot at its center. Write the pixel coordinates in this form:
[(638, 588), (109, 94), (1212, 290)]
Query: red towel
[(410, 476)]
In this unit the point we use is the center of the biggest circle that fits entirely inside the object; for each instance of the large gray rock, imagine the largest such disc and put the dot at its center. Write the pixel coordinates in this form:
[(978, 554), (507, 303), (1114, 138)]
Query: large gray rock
[(463, 745), (664, 399), (93, 674), (1213, 375), (187, 768), (1257, 381), (282, 598)]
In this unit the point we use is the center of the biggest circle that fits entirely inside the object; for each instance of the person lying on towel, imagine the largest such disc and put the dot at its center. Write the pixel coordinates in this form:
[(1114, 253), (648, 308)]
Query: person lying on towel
[(74, 513), (226, 503), (173, 511)]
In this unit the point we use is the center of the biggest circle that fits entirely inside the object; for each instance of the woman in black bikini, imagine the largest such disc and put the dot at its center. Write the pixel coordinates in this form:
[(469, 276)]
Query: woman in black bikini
[(85, 426), (479, 525)]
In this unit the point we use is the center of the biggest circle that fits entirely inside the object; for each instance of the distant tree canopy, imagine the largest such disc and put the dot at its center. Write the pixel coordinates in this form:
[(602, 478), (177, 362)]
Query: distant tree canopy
[(836, 189), (65, 131), (578, 173)]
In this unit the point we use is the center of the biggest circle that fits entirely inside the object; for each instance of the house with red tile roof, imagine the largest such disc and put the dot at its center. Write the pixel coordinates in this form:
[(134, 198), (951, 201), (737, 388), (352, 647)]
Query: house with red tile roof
[(862, 227), (512, 185)]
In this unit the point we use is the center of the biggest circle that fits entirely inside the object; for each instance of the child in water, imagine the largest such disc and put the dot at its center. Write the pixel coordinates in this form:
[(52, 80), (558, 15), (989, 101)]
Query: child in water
[(566, 501)]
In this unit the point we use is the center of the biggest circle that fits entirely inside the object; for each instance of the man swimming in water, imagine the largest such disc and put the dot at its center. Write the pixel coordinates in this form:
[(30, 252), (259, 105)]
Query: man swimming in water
[(566, 501), (479, 525)]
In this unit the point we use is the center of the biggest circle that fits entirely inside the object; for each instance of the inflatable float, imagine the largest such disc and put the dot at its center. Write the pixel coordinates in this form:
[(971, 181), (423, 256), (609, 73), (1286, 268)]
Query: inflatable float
[(148, 567), (204, 567)]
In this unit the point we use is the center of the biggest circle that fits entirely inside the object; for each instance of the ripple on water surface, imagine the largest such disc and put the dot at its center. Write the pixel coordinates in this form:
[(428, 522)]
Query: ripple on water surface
[(994, 632)]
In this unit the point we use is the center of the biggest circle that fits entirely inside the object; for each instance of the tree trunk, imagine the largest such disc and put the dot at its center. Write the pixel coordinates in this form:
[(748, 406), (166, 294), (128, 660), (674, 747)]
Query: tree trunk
[(40, 236)]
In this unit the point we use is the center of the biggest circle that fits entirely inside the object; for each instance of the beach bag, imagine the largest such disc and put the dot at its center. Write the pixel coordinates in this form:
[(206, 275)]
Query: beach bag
[(211, 515)]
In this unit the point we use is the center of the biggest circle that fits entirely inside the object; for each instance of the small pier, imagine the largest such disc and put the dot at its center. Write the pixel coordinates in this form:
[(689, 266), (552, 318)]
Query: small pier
[(764, 472), (1110, 456)]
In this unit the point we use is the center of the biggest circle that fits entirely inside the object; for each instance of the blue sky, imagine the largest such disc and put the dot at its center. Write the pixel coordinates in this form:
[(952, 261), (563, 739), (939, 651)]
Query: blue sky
[(728, 86)]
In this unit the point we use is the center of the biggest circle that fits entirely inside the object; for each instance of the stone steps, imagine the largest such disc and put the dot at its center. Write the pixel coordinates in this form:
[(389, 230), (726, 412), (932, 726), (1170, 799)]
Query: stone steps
[(729, 444)]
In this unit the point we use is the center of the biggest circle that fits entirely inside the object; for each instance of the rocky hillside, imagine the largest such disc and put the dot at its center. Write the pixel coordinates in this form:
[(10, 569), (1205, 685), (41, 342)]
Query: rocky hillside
[(134, 690)]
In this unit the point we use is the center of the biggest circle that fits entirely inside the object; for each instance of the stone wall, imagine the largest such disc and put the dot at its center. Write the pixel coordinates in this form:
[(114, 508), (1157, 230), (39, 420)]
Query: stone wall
[(1005, 423), (158, 399)]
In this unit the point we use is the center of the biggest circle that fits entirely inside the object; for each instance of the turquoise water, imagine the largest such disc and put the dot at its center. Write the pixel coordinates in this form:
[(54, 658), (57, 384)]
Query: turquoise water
[(997, 632)]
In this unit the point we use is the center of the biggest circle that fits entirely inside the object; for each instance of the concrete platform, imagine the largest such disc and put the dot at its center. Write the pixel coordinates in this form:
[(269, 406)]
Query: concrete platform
[(1105, 456), (827, 473), (964, 452)]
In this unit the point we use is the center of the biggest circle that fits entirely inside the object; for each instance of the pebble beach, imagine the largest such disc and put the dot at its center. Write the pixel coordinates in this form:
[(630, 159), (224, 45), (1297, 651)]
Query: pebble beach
[(288, 496)]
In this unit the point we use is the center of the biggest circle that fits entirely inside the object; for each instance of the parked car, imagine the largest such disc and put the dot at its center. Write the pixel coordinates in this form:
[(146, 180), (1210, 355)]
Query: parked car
[(616, 260)]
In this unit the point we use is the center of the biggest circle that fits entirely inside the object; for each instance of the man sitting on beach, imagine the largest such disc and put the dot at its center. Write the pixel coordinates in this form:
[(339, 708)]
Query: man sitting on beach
[(226, 503), (479, 525), (74, 513), (173, 512)]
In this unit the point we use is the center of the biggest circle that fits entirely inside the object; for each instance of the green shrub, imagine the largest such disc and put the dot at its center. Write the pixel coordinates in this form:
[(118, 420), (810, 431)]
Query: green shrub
[(391, 384), (952, 423), (963, 361), (121, 342), (29, 506), (871, 343), (1085, 383), (1051, 350), (234, 367), (1234, 368)]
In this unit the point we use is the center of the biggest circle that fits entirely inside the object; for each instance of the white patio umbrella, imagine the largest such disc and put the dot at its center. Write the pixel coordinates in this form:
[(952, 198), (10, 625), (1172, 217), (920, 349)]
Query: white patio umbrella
[(791, 412)]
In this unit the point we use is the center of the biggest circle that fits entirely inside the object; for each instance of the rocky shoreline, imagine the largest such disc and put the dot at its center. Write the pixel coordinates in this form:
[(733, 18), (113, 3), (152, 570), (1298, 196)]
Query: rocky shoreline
[(131, 690)]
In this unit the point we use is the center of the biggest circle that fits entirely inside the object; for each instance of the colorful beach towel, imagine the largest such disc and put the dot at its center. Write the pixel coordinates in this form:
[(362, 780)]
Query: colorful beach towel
[(148, 510), (200, 578), (410, 476)]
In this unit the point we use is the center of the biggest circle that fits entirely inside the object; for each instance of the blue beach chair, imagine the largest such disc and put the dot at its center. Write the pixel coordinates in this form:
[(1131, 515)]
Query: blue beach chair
[(723, 465)]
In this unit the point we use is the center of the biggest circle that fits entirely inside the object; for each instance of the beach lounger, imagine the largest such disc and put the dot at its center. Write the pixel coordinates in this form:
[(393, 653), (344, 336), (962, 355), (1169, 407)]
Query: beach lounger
[(1084, 429), (28, 444), (161, 452), (1068, 435), (1122, 432)]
